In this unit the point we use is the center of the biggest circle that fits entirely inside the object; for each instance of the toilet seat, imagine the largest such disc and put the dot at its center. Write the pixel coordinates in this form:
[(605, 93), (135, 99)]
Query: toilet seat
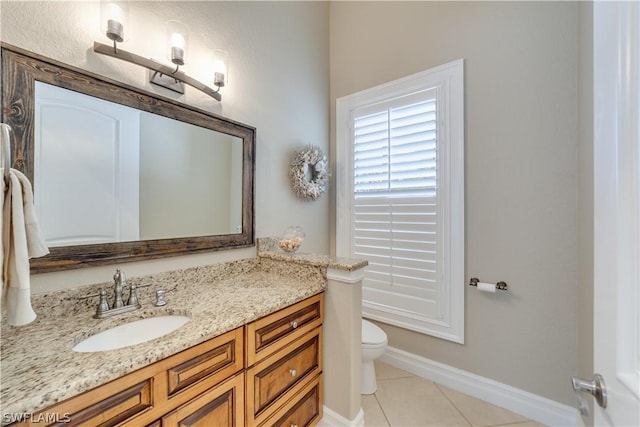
[(372, 335)]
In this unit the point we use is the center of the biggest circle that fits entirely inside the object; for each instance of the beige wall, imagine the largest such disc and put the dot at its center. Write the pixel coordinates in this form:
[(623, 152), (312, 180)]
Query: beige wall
[(278, 82), (521, 145)]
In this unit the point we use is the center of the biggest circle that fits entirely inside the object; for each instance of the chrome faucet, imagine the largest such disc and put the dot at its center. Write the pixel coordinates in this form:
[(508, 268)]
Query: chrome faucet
[(119, 285)]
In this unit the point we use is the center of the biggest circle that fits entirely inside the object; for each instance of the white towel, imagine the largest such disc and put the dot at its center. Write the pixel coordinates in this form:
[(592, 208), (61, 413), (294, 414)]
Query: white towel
[(21, 240)]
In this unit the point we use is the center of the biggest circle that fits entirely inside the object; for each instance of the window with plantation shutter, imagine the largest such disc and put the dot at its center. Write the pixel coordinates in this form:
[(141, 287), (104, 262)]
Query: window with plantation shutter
[(401, 199)]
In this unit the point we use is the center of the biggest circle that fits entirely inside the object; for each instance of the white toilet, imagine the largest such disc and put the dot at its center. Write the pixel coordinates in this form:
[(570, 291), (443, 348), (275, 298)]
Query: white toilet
[(374, 342)]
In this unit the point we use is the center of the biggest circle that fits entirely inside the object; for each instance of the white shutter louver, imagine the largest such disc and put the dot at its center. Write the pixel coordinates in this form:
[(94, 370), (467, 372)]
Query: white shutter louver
[(395, 149), (395, 191)]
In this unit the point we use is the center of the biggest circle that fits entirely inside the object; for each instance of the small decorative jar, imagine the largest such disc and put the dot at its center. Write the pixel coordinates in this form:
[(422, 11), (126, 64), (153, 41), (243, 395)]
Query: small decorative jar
[(291, 239)]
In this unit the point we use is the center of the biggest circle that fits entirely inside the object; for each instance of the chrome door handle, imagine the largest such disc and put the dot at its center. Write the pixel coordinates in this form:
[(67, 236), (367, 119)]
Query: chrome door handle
[(596, 387)]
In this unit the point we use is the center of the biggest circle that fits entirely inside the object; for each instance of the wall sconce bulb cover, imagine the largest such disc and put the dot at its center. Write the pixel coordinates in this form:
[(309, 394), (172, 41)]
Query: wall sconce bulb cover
[(218, 79), (220, 68), (114, 19), (177, 55), (177, 42)]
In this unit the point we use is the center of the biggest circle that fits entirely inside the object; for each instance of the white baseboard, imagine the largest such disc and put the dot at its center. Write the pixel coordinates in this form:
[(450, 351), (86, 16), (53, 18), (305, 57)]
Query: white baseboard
[(527, 404), (333, 419)]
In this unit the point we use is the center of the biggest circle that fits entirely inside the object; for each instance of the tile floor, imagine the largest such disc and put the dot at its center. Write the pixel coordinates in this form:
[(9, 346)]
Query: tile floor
[(404, 399)]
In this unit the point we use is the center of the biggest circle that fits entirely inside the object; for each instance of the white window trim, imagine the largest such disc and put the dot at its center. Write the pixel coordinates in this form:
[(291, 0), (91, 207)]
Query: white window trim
[(450, 78)]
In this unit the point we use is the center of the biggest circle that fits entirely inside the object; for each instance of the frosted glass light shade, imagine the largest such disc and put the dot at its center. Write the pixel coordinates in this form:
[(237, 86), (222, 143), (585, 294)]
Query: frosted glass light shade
[(114, 19), (220, 68), (177, 42)]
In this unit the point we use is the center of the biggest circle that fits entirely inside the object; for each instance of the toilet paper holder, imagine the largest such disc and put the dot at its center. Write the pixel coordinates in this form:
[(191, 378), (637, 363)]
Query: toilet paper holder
[(500, 285)]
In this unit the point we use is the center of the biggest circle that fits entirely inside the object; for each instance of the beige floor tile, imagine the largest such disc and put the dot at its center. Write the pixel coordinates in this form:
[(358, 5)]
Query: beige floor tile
[(417, 402), (528, 423), (388, 372), (373, 415), (480, 413)]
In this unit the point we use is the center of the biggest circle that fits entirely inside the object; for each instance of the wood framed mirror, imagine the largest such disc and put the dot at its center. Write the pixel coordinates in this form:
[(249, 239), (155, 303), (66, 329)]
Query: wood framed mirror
[(120, 174)]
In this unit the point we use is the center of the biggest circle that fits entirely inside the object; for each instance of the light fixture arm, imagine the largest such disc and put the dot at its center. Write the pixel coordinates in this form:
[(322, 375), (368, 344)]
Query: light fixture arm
[(155, 66)]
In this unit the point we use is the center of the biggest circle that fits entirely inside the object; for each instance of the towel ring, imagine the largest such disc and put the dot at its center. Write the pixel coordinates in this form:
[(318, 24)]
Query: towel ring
[(5, 141)]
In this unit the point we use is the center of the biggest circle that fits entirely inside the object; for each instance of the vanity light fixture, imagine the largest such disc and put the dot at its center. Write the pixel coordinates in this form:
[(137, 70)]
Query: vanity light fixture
[(114, 16)]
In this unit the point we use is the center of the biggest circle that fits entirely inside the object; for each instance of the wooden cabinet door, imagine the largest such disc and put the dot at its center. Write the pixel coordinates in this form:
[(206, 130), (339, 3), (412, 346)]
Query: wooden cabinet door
[(303, 411), (221, 406)]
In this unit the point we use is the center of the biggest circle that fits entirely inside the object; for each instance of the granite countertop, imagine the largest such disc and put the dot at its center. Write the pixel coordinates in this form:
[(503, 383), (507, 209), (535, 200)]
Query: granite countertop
[(40, 369), (324, 261), (268, 249)]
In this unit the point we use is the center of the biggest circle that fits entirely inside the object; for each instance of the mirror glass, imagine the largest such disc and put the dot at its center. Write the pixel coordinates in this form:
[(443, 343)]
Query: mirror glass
[(120, 174), (133, 175)]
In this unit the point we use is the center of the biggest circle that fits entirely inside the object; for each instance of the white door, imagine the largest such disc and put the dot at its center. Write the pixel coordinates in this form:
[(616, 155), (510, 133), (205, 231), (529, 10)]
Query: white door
[(617, 210), (102, 186)]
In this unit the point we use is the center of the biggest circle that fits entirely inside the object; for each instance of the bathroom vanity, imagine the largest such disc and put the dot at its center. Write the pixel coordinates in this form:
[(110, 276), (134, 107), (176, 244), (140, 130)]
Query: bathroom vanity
[(250, 355), (277, 359)]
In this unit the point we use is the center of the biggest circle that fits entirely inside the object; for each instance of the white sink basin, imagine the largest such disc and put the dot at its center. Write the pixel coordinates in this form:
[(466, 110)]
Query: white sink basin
[(131, 333)]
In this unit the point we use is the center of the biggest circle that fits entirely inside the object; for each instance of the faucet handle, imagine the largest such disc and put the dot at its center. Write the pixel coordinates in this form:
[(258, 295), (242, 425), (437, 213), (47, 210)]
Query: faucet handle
[(103, 305), (160, 301), (133, 296)]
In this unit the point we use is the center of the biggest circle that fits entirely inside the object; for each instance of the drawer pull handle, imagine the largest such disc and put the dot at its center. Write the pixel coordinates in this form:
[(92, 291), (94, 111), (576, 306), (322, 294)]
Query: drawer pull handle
[(294, 425), (294, 324), (293, 372)]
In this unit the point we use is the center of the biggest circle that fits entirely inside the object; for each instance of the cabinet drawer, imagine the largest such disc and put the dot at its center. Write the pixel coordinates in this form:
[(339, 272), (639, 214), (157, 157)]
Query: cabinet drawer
[(221, 406), (112, 404), (214, 360), (117, 408), (269, 334), (279, 378), (302, 411)]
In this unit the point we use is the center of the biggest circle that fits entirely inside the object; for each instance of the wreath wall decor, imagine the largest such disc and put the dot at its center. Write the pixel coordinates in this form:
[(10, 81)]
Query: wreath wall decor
[(309, 172)]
